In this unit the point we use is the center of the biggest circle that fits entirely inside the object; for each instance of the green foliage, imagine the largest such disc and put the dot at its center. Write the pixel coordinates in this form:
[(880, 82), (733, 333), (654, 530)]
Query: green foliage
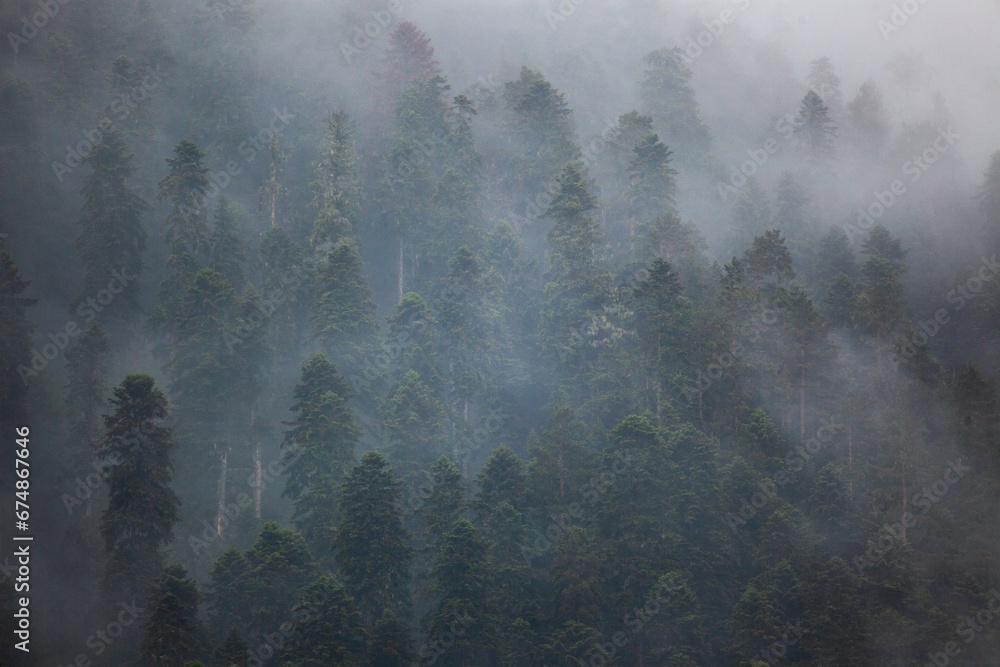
[(370, 541)]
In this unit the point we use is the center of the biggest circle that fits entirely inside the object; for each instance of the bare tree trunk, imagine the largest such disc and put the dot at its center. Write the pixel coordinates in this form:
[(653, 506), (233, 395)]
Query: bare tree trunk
[(399, 285), (223, 473), (802, 405)]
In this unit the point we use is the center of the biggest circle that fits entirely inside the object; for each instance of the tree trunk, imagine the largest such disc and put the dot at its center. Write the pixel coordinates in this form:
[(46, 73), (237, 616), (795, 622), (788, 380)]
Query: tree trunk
[(223, 472)]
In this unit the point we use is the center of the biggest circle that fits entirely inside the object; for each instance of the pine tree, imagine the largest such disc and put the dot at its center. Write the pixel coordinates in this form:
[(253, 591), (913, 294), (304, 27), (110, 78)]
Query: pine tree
[(416, 423), (751, 213), (234, 651), (328, 628), (462, 584), (142, 508), (541, 123), (410, 57), (444, 502), (372, 547), (227, 254), (652, 186), (112, 239), (869, 129), (881, 299), (667, 93), (815, 129), (342, 313), (280, 569), (229, 605), (336, 185), (186, 187), (87, 368), (823, 80), (578, 284), (174, 634), (390, 642), (663, 319), (320, 446)]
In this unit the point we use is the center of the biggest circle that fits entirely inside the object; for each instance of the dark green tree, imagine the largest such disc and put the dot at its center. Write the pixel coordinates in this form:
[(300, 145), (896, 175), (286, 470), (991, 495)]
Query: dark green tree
[(667, 93), (815, 129), (319, 448), (328, 628), (142, 508), (234, 651), (112, 239), (336, 186), (371, 544), (174, 634)]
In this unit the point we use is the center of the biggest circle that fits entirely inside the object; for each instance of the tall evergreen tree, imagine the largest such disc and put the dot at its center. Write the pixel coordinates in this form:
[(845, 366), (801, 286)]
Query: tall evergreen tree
[(186, 187), (142, 508), (667, 93), (328, 629), (112, 239), (320, 449), (174, 635), (815, 129), (371, 544), (337, 188)]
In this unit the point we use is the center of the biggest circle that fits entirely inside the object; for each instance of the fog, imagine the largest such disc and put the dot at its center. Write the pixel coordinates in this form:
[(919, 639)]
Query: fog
[(409, 332)]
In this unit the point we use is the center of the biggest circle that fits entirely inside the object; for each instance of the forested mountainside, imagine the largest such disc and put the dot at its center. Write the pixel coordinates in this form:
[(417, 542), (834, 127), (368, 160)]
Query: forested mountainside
[(515, 333)]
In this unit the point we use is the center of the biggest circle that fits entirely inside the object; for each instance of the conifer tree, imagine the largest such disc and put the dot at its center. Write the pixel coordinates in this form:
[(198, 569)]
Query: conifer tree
[(234, 651), (342, 313), (337, 189), (667, 93), (815, 129), (652, 187), (227, 252), (328, 628), (320, 446), (371, 544), (174, 635), (186, 188), (111, 240), (142, 508)]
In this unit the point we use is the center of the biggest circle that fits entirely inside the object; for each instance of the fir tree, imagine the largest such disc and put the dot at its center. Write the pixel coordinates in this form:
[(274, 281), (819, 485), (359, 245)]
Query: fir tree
[(174, 635), (371, 545), (112, 239), (320, 449)]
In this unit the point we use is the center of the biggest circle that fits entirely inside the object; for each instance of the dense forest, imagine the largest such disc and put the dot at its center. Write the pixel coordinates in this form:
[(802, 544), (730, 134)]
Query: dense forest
[(390, 333)]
